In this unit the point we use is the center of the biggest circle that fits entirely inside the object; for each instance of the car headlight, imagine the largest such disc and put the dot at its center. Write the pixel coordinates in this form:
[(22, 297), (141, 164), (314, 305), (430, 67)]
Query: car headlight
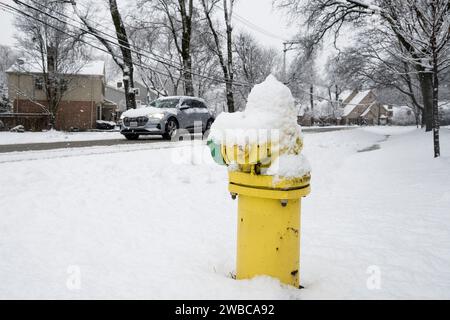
[(156, 115)]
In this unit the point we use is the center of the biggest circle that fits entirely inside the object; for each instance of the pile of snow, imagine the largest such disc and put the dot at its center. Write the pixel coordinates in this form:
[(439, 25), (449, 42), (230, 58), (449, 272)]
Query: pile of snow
[(270, 115), (8, 138)]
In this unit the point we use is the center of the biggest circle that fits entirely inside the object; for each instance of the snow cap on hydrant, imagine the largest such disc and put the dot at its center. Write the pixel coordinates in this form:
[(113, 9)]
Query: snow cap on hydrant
[(269, 120)]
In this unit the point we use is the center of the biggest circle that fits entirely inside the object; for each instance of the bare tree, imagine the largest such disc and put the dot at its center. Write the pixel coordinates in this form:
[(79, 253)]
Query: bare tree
[(253, 62), (368, 65), (225, 60), (302, 74), (179, 15), (121, 54), (7, 60), (52, 46), (421, 27), (160, 38)]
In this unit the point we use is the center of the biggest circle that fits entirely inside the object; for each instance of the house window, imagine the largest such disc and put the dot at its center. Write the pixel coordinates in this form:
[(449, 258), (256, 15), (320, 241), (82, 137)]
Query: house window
[(119, 84), (39, 84), (136, 92)]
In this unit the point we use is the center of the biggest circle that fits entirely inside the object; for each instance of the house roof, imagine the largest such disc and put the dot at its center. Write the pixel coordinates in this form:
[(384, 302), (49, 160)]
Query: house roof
[(367, 110), (345, 94), (352, 104), (92, 68)]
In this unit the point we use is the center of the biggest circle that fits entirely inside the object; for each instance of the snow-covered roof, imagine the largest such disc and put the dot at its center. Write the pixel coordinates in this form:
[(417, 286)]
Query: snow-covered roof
[(352, 104), (366, 111), (92, 68), (345, 94)]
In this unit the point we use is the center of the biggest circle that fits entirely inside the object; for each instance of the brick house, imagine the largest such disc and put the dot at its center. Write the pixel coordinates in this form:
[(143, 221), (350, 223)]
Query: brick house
[(82, 102), (363, 107)]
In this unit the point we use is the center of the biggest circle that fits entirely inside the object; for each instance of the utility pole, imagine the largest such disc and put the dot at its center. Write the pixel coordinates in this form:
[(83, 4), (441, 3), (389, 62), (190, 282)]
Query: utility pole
[(287, 45)]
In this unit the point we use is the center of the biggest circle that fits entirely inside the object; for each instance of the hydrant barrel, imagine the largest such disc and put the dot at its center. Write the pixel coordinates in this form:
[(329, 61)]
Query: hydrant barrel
[(268, 240)]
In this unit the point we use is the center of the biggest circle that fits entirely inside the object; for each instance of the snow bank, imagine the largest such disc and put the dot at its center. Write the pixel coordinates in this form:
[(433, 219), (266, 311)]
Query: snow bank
[(7, 138), (390, 130)]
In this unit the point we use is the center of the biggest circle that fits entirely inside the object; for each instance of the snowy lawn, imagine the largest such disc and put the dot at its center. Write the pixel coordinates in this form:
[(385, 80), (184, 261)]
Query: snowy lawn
[(55, 136), (159, 223)]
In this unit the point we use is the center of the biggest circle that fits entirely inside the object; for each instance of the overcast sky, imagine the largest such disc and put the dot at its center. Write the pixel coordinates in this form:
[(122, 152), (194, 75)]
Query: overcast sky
[(257, 12)]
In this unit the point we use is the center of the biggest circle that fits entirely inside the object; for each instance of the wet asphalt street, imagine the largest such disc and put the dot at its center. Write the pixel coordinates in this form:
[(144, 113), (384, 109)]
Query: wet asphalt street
[(114, 142)]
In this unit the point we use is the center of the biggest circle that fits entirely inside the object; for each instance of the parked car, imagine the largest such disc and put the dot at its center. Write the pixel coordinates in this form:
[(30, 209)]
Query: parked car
[(165, 116)]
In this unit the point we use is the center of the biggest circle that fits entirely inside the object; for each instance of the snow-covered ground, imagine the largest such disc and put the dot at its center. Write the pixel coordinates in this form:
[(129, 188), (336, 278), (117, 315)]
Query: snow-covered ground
[(55, 136), (159, 223)]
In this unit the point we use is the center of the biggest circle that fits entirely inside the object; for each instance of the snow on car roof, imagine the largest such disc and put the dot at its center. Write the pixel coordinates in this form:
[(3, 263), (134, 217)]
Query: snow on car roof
[(181, 98)]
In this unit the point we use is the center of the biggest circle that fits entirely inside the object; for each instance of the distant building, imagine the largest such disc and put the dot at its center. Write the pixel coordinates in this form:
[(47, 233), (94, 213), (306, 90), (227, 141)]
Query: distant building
[(115, 93), (363, 107), (81, 105)]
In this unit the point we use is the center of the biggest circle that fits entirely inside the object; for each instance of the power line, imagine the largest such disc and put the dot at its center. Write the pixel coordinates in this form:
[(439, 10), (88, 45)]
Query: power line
[(137, 50), (95, 33), (253, 26), (16, 11), (119, 45)]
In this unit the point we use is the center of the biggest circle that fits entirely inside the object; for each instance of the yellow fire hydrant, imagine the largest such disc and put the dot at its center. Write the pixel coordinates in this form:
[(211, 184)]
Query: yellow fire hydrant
[(269, 206), (268, 239)]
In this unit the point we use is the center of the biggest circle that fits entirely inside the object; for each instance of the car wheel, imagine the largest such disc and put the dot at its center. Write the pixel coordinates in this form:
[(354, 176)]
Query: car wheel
[(132, 136), (171, 129)]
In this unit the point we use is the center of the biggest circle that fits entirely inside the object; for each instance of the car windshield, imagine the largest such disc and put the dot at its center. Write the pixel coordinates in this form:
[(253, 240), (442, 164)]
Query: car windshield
[(165, 103)]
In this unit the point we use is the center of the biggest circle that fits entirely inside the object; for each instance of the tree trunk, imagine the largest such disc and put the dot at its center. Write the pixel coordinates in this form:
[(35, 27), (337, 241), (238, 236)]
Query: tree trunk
[(229, 84), (436, 120), (50, 84), (186, 20), (227, 67), (187, 67), (311, 100), (127, 68), (426, 87)]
